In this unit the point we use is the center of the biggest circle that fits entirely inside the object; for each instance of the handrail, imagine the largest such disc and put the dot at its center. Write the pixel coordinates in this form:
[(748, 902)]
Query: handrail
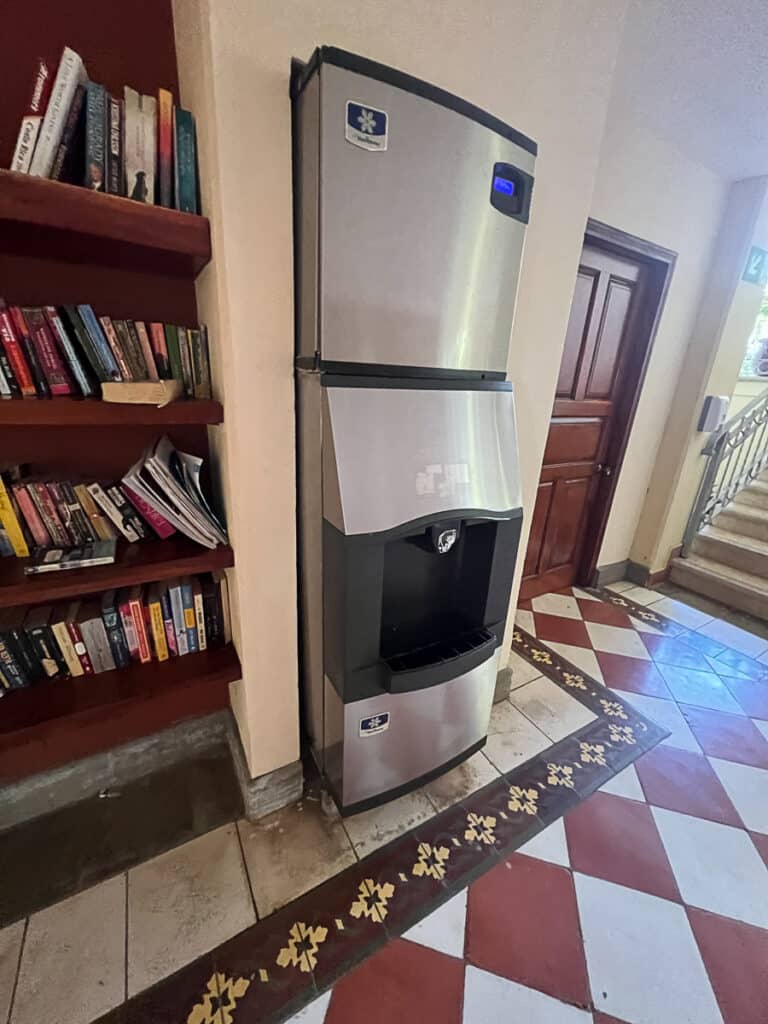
[(737, 453)]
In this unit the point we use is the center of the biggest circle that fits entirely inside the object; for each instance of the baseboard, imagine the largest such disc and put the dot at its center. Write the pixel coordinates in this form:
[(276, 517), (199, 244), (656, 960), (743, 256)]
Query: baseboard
[(605, 574)]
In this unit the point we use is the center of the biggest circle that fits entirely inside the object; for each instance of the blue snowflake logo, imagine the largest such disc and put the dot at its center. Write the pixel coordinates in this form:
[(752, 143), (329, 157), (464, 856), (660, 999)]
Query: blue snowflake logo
[(367, 121)]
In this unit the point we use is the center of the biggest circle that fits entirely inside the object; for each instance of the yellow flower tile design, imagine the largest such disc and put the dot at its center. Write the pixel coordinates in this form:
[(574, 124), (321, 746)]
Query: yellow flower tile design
[(576, 682), (517, 636), (622, 733), (372, 900), (526, 800), (620, 602), (648, 616), (542, 656), (593, 753), (432, 861), (480, 829), (303, 943), (613, 709), (560, 775), (219, 1001)]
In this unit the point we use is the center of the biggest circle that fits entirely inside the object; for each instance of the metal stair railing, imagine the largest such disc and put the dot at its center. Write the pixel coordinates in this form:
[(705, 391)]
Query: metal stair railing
[(737, 453)]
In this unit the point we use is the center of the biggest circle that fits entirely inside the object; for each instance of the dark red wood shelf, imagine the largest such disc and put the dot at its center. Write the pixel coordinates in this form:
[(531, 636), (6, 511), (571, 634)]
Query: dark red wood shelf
[(39, 217), (56, 722), (89, 412), (145, 562)]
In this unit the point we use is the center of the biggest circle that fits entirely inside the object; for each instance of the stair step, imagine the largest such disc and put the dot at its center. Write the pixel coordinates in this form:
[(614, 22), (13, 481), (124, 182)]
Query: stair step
[(742, 590), (745, 553), (747, 520), (756, 494)]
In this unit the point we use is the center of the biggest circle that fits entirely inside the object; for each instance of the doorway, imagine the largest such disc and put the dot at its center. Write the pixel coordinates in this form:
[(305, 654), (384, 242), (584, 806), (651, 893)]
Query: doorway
[(617, 301)]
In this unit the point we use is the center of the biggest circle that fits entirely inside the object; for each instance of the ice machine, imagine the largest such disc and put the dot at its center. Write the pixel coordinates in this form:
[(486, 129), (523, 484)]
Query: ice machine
[(410, 213)]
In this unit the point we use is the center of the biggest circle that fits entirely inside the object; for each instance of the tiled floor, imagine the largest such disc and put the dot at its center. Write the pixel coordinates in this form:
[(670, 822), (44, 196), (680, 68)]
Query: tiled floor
[(647, 903)]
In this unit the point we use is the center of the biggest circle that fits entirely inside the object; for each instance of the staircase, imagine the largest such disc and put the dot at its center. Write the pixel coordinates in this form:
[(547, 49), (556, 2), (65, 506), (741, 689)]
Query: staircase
[(725, 553)]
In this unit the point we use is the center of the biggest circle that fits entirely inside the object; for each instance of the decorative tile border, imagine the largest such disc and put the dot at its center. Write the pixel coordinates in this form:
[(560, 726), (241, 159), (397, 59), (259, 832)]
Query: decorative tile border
[(278, 965), (639, 611)]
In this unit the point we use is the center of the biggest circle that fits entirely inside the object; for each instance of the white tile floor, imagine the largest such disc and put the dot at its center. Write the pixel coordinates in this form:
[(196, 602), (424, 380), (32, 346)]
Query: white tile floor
[(681, 613), (733, 636), (701, 689), (467, 778), (372, 829), (748, 789), (666, 714), (615, 640), (626, 784), (581, 657), (557, 604), (443, 929), (489, 999), (550, 844)]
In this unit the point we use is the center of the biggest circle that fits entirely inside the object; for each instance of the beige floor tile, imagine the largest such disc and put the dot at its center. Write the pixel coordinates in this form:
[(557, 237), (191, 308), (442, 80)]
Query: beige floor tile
[(372, 829), (183, 903), (522, 671), (642, 595), (621, 586), (512, 739), (525, 620), (291, 851), (551, 709), (73, 962), (474, 773), (10, 950)]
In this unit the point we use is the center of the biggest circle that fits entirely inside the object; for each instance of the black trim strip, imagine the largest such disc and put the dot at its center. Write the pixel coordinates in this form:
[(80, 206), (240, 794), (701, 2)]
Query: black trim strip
[(393, 370), (401, 80), (414, 525), (341, 380)]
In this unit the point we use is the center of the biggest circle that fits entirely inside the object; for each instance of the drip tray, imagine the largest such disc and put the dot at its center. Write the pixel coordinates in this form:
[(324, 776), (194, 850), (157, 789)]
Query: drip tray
[(434, 663)]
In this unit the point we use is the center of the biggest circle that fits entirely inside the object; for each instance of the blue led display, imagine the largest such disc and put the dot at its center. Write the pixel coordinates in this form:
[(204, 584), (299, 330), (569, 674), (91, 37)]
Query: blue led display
[(503, 185)]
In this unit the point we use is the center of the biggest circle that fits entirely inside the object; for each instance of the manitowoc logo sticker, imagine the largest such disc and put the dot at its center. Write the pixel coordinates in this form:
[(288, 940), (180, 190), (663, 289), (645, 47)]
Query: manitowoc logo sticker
[(374, 724), (366, 127)]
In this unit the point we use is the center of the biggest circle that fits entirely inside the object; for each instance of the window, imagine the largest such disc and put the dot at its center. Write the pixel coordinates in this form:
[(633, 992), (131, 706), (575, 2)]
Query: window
[(756, 357)]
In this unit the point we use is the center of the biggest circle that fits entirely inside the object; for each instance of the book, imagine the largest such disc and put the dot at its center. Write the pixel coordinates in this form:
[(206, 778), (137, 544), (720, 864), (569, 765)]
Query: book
[(95, 137), (197, 599), (185, 164), (186, 361), (11, 662), (14, 354), (142, 392), (117, 349), (146, 350), (40, 384), (68, 351), (85, 343), (115, 146), (46, 506), (124, 526), (11, 523), (160, 350), (19, 644), (139, 145), (159, 523), (69, 75), (127, 511), (136, 604), (177, 612), (99, 552), (155, 607), (5, 389), (170, 632), (110, 616), (94, 635), (69, 162), (211, 610), (71, 526), (44, 645), (164, 148), (32, 517), (64, 640), (47, 354), (76, 636), (32, 120), (220, 578), (190, 619), (129, 344), (99, 523), (123, 599), (80, 518), (93, 327), (201, 364)]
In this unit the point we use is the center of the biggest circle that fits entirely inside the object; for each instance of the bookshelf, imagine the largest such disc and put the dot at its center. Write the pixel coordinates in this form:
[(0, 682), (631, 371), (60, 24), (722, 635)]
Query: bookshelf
[(89, 412)]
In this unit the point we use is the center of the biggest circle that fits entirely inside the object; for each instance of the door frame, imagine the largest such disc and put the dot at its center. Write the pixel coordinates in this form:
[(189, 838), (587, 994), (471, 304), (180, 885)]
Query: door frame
[(642, 326)]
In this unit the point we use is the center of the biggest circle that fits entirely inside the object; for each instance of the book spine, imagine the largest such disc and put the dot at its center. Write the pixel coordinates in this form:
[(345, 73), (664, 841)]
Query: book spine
[(12, 669), (158, 630), (190, 621), (211, 610), (44, 651), (186, 362), (197, 596), (5, 375), (69, 75), (25, 655), (177, 610), (13, 351), (186, 161), (170, 632), (113, 626), (79, 644), (204, 390), (139, 146), (100, 525), (64, 640), (99, 639), (85, 343), (129, 628), (142, 370), (42, 388), (93, 327), (130, 354), (108, 506), (48, 358), (68, 350), (159, 350), (165, 147), (117, 350), (90, 640), (146, 350), (32, 517), (128, 513), (159, 523), (115, 150), (77, 514), (64, 161), (137, 613), (174, 356), (95, 137), (65, 514), (11, 524), (33, 117), (47, 509)]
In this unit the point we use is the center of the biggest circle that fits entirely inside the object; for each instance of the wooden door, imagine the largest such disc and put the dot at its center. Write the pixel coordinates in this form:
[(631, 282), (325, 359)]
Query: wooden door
[(593, 388)]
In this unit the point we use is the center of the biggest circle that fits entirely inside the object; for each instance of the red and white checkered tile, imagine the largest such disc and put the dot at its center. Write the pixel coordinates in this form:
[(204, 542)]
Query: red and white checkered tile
[(647, 903)]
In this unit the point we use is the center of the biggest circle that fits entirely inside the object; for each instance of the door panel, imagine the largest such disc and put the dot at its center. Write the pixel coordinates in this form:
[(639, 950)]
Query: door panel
[(606, 292)]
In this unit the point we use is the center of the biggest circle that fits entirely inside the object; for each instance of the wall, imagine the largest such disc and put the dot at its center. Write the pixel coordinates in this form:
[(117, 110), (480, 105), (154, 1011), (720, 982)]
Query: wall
[(545, 68), (648, 188), (745, 391)]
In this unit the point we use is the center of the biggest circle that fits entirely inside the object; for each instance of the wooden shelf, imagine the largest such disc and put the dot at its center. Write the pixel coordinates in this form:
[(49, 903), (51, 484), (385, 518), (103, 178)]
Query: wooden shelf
[(145, 562), (61, 222), (90, 412), (56, 722)]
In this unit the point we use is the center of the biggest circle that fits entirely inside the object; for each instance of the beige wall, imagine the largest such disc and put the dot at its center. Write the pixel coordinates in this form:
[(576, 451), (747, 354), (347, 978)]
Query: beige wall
[(545, 68), (648, 188), (744, 392)]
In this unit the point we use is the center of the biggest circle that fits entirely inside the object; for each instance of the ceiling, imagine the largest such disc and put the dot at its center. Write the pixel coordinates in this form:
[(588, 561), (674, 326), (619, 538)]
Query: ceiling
[(697, 70)]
